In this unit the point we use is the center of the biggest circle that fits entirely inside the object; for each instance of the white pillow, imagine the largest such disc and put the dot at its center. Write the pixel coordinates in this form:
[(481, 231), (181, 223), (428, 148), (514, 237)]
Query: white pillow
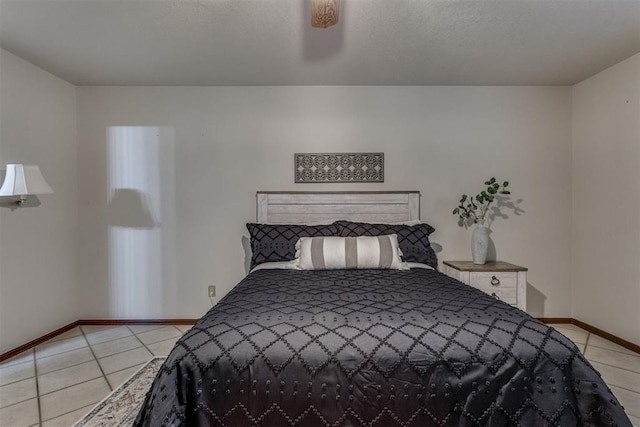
[(276, 265), (329, 253)]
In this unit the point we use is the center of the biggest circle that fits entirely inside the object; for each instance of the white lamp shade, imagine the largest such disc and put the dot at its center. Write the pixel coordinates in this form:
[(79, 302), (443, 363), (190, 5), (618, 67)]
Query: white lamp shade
[(23, 180)]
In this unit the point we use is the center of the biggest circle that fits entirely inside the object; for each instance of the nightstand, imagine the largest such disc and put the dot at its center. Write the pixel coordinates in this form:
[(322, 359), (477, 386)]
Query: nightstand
[(504, 281)]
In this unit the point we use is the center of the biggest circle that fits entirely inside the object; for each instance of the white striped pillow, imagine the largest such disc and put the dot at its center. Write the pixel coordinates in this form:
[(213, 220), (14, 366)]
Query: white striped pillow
[(329, 253)]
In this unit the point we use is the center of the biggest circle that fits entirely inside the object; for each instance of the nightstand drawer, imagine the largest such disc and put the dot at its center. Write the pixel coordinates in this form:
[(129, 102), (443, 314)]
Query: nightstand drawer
[(502, 280), (508, 295), (493, 280)]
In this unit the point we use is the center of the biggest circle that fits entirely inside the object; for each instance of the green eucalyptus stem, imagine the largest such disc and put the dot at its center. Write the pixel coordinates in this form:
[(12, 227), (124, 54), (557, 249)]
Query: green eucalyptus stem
[(475, 209)]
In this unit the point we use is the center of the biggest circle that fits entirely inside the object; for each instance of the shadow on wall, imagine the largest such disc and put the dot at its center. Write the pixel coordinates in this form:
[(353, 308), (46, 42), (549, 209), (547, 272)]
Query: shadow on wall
[(492, 253), (246, 247), (535, 301), (10, 202), (129, 208), (503, 205)]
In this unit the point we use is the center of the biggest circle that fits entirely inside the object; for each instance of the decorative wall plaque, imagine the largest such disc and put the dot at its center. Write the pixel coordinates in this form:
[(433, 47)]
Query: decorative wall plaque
[(339, 167)]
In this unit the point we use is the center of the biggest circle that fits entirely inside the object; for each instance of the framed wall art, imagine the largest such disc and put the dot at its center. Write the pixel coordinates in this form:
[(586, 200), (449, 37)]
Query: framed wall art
[(339, 167)]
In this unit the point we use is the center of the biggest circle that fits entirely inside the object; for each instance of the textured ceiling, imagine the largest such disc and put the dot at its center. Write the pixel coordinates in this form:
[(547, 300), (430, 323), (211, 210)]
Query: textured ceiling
[(271, 42)]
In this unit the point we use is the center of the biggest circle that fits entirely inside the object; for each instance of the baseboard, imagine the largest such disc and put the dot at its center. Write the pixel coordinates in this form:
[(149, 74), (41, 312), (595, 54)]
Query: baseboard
[(592, 329), (24, 347), (97, 322), (556, 320), (606, 335)]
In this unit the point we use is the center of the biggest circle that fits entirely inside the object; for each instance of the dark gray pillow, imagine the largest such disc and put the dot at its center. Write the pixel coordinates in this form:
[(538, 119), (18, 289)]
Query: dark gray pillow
[(413, 239), (273, 243)]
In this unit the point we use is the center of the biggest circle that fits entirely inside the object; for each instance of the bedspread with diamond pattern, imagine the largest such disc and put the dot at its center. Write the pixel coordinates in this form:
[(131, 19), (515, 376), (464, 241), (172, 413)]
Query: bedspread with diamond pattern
[(373, 348)]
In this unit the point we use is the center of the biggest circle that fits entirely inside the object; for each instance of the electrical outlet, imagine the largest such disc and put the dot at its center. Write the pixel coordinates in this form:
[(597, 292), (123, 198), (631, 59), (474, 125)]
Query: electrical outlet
[(212, 291)]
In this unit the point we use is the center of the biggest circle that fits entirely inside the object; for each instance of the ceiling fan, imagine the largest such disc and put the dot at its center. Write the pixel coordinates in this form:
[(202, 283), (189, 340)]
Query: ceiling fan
[(324, 13)]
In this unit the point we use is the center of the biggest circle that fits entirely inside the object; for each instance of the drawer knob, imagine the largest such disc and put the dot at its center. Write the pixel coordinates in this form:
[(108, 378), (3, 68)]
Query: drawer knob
[(495, 281), (493, 294)]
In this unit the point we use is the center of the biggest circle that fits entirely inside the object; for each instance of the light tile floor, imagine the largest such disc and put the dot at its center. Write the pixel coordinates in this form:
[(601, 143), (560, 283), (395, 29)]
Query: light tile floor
[(59, 381)]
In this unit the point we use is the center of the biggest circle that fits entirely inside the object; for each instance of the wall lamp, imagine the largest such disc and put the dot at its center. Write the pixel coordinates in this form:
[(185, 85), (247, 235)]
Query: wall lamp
[(22, 181)]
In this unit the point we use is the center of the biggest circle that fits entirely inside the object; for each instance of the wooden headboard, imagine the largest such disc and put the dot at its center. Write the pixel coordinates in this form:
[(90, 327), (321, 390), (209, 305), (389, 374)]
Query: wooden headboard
[(299, 207)]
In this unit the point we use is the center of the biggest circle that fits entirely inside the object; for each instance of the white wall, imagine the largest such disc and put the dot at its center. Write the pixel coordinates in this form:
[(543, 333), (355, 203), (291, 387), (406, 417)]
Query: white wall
[(606, 200), (229, 142), (38, 286), (205, 151)]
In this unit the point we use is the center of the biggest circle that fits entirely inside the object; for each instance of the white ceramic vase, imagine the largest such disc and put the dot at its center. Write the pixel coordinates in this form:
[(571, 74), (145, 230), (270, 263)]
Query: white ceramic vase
[(479, 244)]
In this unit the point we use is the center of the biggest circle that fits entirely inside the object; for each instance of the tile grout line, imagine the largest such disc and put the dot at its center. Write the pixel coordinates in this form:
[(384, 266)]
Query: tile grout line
[(143, 344), (22, 401), (66, 351), (96, 360), (155, 342), (72, 385), (38, 395), (623, 388), (14, 365), (17, 381), (35, 377), (626, 351), (66, 367), (163, 340), (124, 369), (89, 406), (114, 339), (159, 326), (35, 373), (613, 366), (586, 342), (82, 333), (60, 354), (119, 352), (632, 353)]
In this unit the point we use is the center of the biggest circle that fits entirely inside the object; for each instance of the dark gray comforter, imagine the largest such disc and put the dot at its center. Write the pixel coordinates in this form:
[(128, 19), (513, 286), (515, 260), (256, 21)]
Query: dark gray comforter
[(373, 348)]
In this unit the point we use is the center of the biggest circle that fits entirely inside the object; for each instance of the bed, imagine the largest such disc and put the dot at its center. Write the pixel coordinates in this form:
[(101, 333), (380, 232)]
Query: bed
[(404, 346)]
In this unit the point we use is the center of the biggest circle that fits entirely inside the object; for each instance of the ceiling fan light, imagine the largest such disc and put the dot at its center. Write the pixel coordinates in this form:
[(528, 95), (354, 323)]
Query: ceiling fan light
[(324, 13)]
